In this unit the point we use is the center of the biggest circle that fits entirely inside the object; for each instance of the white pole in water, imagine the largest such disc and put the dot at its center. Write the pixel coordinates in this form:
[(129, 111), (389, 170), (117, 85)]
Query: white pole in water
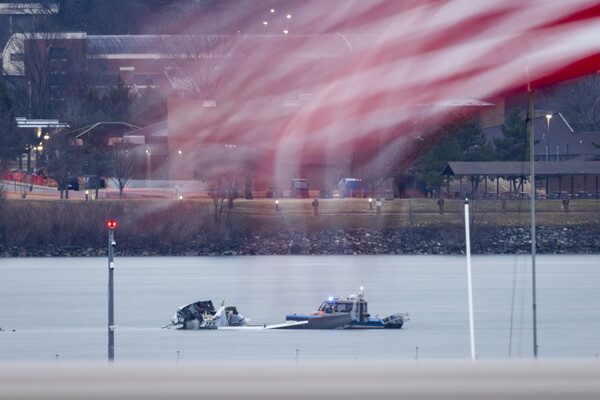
[(469, 280)]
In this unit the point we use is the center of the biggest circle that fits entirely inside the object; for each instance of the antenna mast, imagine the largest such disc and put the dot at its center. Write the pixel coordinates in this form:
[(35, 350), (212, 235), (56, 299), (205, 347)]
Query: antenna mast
[(533, 233)]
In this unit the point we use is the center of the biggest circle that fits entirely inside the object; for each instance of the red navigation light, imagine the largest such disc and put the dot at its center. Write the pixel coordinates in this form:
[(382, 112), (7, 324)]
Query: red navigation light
[(111, 224)]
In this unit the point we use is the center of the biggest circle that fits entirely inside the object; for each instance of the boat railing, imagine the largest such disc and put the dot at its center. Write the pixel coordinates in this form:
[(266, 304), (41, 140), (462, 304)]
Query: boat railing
[(396, 317)]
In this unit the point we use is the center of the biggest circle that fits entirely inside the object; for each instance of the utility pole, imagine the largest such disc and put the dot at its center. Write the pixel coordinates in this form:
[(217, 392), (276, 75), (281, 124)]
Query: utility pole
[(533, 232), (111, 225)]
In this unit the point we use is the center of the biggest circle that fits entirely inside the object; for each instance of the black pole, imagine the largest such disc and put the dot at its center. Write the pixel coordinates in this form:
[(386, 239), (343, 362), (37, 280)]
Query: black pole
[(111, 306)]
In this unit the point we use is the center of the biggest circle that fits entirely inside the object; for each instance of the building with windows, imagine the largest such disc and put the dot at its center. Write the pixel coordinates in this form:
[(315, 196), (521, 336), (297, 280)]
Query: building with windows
[(555, 140), (21, 17), (219, 108), (36, 132)]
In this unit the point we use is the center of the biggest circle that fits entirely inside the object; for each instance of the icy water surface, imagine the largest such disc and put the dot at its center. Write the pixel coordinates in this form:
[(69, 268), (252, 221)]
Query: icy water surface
[(58, 307)]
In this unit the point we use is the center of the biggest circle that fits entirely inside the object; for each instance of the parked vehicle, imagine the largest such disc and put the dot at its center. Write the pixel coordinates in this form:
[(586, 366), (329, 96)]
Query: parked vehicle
[(299, 189), (350, 187)]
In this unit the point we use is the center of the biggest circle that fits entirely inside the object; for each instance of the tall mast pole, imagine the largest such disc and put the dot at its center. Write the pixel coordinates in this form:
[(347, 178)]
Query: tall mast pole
[(469, 281), (533, 233)]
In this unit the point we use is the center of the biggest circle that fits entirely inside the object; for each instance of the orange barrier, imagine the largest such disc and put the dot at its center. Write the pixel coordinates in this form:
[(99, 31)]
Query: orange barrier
[(24, 177)]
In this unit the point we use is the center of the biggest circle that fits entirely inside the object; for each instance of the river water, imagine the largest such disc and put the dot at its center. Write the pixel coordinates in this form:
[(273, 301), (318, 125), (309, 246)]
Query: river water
[(57, 307)]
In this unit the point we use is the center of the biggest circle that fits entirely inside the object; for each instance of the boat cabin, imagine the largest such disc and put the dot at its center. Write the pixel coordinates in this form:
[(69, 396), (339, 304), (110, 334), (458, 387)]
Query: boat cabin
[(356, 305)]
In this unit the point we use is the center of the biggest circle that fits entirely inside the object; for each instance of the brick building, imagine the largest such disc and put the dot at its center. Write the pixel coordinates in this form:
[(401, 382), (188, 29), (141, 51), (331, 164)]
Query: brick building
[(217, 107)]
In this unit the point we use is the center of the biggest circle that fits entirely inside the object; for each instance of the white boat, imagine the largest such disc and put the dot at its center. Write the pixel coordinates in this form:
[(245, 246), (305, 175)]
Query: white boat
[(349, 313)]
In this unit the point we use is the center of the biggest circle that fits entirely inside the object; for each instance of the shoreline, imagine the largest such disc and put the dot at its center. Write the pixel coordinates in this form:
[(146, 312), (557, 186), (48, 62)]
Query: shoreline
[(407, 241)]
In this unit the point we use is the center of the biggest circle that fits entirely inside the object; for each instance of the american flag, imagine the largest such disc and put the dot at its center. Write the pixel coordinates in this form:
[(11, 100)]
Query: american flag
[(432, 52), (394, 66)]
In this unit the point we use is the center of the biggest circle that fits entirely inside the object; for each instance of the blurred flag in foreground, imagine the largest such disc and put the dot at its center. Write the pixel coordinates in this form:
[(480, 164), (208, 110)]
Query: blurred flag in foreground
[(415, 57)]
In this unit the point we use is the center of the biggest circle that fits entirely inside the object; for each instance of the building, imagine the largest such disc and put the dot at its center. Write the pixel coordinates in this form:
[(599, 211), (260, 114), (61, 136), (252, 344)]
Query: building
[(571, 179), (563, 165), (22, 17), (555, 140), (218, 108), (178, 65), (149, 147), (36, 132)]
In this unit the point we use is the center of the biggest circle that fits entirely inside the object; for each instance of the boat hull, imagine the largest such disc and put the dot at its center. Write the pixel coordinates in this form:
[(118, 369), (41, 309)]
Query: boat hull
[(394, 321), (338, 321), (374, 324)]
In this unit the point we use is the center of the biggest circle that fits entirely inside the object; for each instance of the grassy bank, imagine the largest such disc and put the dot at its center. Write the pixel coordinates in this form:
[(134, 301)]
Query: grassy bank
[(357, 213), (167, 221), (68, 223), (160, 223)]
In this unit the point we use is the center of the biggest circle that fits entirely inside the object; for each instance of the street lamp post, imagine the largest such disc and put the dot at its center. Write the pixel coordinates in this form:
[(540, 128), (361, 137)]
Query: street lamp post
[(148, 165), (548, 118), (230, 147), (111, 225)]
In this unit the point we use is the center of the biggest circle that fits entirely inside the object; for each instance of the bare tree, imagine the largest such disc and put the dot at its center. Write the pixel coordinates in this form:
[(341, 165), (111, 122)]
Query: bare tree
[(225, 183), (94, 139), (2, 199), (122, 164), (3, 213), (26, 16), (227, 172), (204, 66), (48, 72), (579, 101), (63, 161), (224, 187), (373, 166)]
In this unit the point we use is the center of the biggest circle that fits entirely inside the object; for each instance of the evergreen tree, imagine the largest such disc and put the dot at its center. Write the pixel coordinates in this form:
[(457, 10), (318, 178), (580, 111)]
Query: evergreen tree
[(113, 105), (472, 143), (116, 102), (514, 145), (462, 139), (89, 110), (150, 107)]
